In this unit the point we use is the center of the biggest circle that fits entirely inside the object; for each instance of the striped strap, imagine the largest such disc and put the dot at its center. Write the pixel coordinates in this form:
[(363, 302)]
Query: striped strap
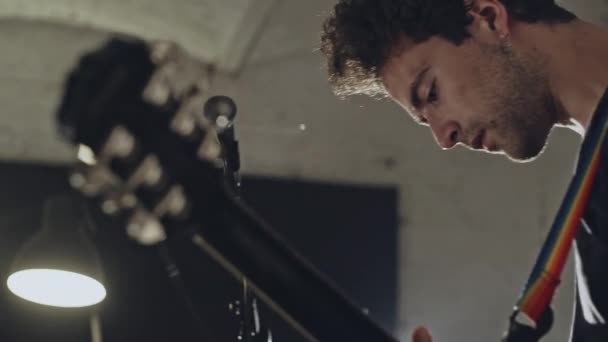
[(545, 277)]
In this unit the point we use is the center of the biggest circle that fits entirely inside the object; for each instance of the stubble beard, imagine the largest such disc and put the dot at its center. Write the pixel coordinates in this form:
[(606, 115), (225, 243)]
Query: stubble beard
[(523, 109)]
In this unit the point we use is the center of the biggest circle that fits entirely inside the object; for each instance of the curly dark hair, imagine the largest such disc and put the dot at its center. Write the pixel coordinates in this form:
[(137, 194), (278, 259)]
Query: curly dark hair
[(359, 35)]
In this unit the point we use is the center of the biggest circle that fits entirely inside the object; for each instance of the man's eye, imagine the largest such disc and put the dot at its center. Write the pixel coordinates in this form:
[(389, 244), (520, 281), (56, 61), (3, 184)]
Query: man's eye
[(432, 97)]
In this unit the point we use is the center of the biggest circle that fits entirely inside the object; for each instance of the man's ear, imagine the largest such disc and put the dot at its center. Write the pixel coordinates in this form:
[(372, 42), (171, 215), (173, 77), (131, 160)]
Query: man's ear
[(490, 17)]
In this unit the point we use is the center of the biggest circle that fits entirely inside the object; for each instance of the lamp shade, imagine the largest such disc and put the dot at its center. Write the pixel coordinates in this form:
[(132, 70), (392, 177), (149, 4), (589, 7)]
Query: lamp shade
[(59, 265)]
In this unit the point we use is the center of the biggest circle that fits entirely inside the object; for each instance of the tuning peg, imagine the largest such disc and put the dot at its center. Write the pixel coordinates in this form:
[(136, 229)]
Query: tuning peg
[(93, 180), (161, 51), (113, 203), (186, 123), (158, 91), (77, 180), (86, 155), (120, 144), (174, 204), (148, 172), (210, 149), (127, 201), (110, 207), (145, 228), (177, 74)]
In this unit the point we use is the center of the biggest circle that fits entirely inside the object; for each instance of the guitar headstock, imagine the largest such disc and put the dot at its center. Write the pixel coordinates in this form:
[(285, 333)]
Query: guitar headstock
[(135, 111)]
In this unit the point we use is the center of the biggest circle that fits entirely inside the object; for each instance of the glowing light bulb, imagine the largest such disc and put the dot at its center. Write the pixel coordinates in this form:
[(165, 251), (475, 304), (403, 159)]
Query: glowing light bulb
[(56, 288)]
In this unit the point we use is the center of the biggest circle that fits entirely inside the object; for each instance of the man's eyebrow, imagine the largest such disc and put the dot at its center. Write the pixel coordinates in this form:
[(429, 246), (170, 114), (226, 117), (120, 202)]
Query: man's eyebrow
[(415, 100)]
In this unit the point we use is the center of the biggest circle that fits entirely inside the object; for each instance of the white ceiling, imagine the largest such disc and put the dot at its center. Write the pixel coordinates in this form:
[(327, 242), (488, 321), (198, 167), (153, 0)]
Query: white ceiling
[(216, 31)]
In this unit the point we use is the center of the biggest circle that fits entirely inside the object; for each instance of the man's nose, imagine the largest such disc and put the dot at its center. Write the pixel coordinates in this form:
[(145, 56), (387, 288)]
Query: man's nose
[(447, 134)]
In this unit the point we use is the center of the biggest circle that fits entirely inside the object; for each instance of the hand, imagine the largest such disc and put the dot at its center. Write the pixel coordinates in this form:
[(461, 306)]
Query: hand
[(421, 334)]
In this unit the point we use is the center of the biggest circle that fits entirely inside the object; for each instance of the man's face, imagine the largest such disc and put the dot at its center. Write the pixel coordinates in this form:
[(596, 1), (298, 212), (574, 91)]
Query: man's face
[(484, 96)]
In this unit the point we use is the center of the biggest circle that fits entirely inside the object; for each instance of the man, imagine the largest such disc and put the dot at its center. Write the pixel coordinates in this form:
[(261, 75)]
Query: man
[(494, 76)]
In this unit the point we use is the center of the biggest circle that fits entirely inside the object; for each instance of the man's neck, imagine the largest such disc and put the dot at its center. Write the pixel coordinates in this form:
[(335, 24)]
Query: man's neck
[(576, 56)]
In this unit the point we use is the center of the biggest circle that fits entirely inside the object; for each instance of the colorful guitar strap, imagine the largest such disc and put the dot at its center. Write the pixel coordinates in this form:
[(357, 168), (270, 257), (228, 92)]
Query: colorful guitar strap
[(532, 316)]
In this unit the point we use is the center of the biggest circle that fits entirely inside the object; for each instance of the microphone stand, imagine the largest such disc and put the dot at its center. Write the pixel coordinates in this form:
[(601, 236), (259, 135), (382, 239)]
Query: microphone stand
[(222, 110)]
